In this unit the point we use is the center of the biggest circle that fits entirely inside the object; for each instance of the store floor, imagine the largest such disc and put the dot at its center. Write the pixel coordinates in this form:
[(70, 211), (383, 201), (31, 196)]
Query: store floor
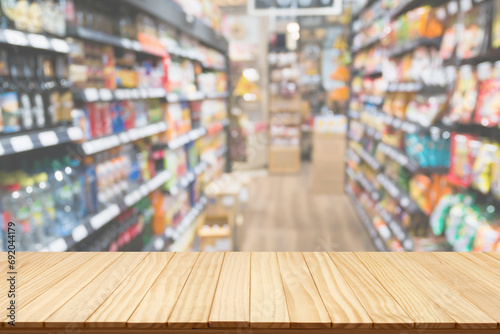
[(283, 214)]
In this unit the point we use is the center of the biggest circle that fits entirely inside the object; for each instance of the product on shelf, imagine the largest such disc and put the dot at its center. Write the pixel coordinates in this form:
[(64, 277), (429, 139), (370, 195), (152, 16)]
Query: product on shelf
[(472, 41), (464, 99)]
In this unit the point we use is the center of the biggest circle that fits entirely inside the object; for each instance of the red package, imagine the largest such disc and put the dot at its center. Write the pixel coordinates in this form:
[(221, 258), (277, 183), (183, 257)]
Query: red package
[(488, 104), (461, 159), (107, 127), (94, 119)]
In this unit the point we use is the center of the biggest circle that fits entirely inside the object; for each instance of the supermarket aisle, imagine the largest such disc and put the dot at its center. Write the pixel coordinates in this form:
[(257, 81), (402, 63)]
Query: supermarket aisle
[(284, 215)]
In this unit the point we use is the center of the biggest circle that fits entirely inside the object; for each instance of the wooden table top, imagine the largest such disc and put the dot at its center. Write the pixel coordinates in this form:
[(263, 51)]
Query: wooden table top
[(255, 292)]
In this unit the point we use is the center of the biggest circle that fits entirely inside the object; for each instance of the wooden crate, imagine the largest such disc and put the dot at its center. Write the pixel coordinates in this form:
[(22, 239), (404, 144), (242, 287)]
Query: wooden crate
[(284, 159)]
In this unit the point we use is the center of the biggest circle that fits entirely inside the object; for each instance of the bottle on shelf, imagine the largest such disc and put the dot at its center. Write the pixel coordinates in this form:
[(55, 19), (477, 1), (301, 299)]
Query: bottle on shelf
[(63, 199), (25, 87), (8, 96), (50, 95)]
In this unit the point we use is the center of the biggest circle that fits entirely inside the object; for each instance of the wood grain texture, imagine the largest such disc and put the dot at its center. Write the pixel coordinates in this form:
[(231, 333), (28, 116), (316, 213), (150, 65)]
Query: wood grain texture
[(413, 300), (155, 308), (465, 314), (304, 302), (231, 304), (465, 264), (472, 290), (36, 312), (385, 312), (119, 306), (342, 305), (488, 262), (81, 306), (268, 308), (195, 301)]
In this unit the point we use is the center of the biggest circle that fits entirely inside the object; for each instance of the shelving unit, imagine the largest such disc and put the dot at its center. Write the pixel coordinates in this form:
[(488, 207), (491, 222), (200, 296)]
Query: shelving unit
[(96, 147), (387, 127)]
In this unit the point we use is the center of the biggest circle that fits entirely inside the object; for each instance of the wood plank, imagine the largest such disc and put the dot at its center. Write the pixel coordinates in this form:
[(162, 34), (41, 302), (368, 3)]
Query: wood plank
[(304, 302), (155, 308), (268, 308), (342, 305), (472, 290), (35, 313), (487, 262), (44, 276), (79, 308), (465, 314), (119, 306), (378, 303), (463, 263), (193, 306), (411, 298), (231, 304)]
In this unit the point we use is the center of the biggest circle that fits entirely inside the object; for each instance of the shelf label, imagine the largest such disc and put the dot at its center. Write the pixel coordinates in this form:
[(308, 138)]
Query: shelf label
[(91, 94), (159, 244), (48, 138), (15, 37), (38, 41), (79, 233), (21, 143), (105, 94), (126, 43), (60, 45), (75, 133), (58, 245), (172, 97), (2, 151)]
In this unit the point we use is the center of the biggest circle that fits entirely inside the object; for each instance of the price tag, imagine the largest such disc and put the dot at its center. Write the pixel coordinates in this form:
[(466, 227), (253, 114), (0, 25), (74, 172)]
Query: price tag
[(58, 245), (136, 46), (120, 94), (15, 37), (126, 43), (59, 45), (75, 133), (91, 94), (172, 97), (48, 138), (105, 94), (2, 151), (159, 244), (124, 137), (79, 233), (452, 7), (465, 5), (21, 143), (38, 41)]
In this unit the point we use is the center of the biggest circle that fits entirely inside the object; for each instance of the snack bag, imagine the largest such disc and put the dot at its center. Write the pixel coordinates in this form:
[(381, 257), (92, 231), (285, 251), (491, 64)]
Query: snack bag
[(441, 212), (467, 229), (495, 27), (450, 35), (420, 188), (463, 101), (471, 42), (488, 104), (461, 160), (482, 168), (487, 238)]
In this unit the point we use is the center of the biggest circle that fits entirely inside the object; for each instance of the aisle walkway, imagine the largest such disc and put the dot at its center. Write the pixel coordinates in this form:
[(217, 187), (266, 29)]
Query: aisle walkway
[(284, 215)]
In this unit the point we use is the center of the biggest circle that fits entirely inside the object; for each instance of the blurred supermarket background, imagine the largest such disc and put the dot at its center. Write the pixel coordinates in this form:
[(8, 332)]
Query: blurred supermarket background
[(273, 125)]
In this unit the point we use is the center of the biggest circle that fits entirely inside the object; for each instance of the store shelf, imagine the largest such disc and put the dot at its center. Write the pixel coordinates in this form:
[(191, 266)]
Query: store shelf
[(397, 230), (414, 87), (39, 139), (105, 216), (353, 156), (35, 41), (400, 157), (172, 14), (174, 234), (395, 192), (105, 143), (369, 159), (371, 41), (375, 100), (104, 94), (354, 114), (188, 178), (107, 39), (377, 241), (412, 45)]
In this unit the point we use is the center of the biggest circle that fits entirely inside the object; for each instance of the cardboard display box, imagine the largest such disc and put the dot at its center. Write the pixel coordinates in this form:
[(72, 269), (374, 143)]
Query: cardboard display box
[(284, 159)]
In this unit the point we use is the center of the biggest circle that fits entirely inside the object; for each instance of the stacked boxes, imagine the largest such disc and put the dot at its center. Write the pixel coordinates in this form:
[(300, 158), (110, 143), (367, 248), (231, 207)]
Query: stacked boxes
[(329, 146)]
